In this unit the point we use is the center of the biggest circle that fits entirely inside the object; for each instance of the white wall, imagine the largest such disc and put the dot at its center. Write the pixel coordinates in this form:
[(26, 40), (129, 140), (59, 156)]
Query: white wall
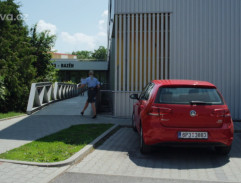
[(205, 41)]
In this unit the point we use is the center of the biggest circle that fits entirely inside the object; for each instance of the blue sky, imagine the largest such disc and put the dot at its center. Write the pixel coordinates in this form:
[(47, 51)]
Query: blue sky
[(78, 24)]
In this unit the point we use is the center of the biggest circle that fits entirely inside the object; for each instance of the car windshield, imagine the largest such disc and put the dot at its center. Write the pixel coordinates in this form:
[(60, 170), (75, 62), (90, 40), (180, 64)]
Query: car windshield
[(188, 95)]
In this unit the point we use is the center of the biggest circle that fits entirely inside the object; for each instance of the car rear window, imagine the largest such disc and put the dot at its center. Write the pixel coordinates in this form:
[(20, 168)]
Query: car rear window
[(185, 95)]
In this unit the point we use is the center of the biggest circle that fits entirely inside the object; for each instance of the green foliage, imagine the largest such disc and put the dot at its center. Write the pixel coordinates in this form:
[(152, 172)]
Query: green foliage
[(69, 82), (59, 146), (42, 43), (16, 58), (24, 58), (2, 89), (83, 55), (100, 53)]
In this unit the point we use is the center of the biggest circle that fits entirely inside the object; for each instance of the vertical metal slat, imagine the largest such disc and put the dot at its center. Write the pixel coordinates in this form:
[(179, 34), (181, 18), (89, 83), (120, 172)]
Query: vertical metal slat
[(128, 52), (124, 53), (140, 53), (145, 62), (153, 46), (149, 48), (116, 81), (132, 52), (137, 53), (161, 52), (157, 47), (166, 46), (124, 65)]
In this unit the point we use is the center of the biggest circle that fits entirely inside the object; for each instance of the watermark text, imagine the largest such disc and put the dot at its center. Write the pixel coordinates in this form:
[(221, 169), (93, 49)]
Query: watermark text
[(11, 17)]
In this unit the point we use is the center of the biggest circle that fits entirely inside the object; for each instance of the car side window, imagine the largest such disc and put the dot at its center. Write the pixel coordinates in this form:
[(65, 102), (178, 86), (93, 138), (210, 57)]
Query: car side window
[(143, 92), (146, 92)]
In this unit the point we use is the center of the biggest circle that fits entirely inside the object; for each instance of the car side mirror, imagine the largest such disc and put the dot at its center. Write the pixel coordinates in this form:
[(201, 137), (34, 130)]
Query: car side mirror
[(134, 96)]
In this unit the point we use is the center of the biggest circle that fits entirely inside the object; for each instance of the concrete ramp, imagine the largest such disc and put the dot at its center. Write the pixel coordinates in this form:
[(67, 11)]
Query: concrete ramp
[(72, 106)]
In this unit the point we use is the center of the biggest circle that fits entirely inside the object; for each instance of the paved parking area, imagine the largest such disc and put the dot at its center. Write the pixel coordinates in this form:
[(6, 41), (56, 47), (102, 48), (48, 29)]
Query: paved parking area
[(120, 156), (12, 173)]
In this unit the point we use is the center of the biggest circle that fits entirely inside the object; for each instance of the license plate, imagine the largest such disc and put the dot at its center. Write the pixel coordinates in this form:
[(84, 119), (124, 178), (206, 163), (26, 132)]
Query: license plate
[(193, 135)]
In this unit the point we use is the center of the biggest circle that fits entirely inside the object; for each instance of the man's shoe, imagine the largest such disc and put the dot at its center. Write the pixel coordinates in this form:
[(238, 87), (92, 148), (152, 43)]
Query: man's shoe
[(94, 117), (82, 113)]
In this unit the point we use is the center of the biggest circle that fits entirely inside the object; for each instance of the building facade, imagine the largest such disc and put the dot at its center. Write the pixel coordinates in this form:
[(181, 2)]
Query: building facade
[(72, 69), (174, 39)]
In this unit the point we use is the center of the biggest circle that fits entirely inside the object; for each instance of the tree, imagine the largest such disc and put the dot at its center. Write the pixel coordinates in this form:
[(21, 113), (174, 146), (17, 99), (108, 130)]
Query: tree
[(24, 58), (42, 43), (100, 53), (82, 55), (16, 58)]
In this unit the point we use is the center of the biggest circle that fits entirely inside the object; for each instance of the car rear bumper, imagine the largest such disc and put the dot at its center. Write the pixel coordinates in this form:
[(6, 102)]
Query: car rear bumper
[(163, 135), (190, 144)]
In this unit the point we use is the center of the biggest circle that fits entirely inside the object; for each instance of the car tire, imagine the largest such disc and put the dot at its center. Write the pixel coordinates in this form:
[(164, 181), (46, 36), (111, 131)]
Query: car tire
[(133, 123), (223, 150), (144, 149)]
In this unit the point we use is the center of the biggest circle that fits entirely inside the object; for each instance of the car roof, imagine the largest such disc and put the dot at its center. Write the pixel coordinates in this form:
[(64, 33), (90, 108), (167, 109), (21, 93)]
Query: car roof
[(175, 82)]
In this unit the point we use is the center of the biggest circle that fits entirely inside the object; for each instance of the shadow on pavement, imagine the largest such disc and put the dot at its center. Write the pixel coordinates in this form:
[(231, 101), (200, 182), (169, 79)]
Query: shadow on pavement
[(37, 126), (170, 157), (51, 119)]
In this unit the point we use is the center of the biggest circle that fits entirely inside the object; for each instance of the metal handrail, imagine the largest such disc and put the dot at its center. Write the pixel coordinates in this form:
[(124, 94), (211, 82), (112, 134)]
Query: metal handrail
[(44, 93)]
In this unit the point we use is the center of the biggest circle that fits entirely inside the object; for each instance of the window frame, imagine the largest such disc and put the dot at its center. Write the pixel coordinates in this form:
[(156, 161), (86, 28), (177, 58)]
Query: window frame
[(145, 94), (161, 87)]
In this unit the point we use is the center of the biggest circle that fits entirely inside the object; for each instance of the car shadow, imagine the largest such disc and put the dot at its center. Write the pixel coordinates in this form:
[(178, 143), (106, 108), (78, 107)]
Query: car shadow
[(178, 158), (170, 157)]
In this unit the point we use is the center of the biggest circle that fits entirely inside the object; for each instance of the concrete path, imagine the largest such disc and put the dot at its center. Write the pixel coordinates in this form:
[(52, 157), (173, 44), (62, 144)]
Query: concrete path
[(119, 156), (55, 117)]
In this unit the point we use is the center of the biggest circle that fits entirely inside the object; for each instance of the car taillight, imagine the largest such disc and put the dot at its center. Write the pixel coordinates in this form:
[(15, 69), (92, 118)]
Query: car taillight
[(221, 113), (157, 111), (154, 111), (227, 113)]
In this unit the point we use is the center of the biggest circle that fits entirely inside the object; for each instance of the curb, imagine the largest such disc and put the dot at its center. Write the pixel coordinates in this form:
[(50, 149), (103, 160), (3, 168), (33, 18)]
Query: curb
[(76, 157), (5, 119)]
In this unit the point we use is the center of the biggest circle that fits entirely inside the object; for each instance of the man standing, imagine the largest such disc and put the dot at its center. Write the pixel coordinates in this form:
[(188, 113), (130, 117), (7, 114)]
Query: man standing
[(93, 85)]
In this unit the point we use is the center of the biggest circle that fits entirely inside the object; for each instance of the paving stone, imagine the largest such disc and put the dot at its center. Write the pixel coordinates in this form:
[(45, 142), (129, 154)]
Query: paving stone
[(201, 164), (23, 173)]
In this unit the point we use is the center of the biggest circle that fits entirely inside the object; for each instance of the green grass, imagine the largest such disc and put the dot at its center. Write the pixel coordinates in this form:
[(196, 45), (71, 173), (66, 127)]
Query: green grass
[(10, 114), (59, 146)]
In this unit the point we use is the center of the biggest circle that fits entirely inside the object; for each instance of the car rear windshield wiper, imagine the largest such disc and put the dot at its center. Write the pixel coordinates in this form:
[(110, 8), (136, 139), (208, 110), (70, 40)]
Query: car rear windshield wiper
[(200, 103)]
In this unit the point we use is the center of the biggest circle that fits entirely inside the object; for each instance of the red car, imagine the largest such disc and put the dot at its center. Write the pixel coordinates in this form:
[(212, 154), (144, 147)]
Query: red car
[(174, 112)]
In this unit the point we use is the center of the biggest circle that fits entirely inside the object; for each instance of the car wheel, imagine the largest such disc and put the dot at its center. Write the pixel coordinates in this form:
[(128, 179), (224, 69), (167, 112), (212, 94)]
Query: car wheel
[(144, 149), (223, 150), (133, 123)]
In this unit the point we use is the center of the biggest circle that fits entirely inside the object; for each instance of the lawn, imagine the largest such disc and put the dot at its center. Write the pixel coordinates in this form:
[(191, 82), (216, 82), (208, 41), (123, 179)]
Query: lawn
[(10, 114), (59, 146)]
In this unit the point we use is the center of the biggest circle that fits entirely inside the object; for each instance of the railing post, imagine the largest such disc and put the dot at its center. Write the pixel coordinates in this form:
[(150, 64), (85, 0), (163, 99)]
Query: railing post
[(55, 90), (31, 98)]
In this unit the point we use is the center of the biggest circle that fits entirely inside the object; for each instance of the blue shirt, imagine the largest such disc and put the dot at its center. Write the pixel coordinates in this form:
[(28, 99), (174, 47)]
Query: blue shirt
[(90, 82)]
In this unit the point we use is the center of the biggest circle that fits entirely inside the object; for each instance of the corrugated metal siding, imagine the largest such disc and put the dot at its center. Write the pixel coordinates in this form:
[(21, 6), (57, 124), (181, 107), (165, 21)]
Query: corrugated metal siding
[(123, 103), (205, 41), (131, 59)]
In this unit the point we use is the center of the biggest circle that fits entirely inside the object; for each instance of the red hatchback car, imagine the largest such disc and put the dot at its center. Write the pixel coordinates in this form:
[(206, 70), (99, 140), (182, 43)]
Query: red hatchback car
[(174, 112)]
